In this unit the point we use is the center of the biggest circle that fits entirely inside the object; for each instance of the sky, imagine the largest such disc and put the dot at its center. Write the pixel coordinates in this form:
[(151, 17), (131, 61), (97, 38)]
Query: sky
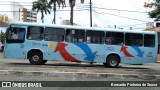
[(106, 13)]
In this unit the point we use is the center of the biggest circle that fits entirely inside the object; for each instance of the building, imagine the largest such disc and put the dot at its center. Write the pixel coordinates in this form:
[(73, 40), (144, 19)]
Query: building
[(16, 12), (27, 15)]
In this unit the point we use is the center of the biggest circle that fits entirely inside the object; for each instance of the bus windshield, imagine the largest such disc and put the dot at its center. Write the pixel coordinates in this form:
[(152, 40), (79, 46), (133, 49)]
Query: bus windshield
[(15, 34)]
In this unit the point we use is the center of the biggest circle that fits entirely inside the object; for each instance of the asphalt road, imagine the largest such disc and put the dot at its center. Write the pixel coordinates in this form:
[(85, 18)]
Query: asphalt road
[(115, 74)]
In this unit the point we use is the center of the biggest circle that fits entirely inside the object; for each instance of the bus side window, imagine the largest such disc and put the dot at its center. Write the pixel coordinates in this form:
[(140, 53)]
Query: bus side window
[(54, 34), (35, 33), (96, 37), (115, 38), (73, 35), (133, 39)]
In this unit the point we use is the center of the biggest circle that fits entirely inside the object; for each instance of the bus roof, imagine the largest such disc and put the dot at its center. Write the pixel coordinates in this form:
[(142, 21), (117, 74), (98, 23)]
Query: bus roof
[(80, 27)]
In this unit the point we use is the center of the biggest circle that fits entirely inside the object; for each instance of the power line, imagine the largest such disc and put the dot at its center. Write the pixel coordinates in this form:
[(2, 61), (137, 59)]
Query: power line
[(50, 11), (67, 5), (94, 11), (125, 17), (119, 10), (32, 4), (133, 25), (119, 16), (87, 10)]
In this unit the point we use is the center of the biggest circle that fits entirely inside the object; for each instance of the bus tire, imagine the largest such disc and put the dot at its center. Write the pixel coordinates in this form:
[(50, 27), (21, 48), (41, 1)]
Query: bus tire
[(112, 61), (36, 58)]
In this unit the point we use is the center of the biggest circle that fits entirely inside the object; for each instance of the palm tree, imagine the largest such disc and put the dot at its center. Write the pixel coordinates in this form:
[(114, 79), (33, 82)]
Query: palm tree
[(59, 2), (72, 4), (42, 6)]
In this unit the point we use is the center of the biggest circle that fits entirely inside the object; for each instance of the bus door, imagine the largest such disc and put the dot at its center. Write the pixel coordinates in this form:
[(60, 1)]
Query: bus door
[(14, 46)]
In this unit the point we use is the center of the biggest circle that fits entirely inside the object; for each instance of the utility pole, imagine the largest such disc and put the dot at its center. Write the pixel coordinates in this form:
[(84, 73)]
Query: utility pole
[(90, 13), (115, 26)]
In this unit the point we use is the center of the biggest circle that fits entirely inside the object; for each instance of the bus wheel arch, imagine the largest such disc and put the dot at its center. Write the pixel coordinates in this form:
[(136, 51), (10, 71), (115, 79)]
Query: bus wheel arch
[(35, 57), (112, 60)]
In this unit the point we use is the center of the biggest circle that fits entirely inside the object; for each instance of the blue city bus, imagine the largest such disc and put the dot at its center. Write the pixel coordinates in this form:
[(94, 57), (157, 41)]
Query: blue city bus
[(41, 42)]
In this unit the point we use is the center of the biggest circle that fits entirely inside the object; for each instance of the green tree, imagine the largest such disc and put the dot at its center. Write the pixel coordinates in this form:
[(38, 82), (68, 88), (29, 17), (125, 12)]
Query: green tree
[(155, 13), (157, 1), (54, 2), (42, 6), (2, 37), (72, 4)]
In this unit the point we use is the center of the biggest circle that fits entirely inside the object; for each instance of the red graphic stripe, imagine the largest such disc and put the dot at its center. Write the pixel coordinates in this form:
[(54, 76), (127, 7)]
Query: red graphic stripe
[(61, 48), (126, 53)]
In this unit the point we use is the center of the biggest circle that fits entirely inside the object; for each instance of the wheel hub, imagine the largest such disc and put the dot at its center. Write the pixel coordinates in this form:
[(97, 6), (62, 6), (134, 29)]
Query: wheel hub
[(35, 58), (113, 62)]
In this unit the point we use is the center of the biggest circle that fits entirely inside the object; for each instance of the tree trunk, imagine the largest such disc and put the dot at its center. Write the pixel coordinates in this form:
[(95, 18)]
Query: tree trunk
[(54, 19), (42, 17), (71, 17), (72, 4)]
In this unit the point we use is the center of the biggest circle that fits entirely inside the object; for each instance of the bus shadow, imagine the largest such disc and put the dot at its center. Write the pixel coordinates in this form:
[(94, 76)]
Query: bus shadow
[(57, 64), (77, 65), (124, 67), (63, 65)]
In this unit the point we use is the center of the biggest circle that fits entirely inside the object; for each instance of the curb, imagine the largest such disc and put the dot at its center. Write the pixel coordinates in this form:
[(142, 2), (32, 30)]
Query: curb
[(80, 74)]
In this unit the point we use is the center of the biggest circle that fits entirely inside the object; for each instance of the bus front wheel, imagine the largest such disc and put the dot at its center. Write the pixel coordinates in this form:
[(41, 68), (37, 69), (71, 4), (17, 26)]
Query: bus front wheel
[(36, 58), (112, 61)]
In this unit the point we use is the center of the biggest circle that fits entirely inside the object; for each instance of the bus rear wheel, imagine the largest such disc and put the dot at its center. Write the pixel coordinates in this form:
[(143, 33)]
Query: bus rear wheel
[(36, 58), (112, 61)]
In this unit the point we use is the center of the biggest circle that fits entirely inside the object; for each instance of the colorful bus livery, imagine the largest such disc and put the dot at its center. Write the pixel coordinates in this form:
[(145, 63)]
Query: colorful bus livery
[(40, 43)]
